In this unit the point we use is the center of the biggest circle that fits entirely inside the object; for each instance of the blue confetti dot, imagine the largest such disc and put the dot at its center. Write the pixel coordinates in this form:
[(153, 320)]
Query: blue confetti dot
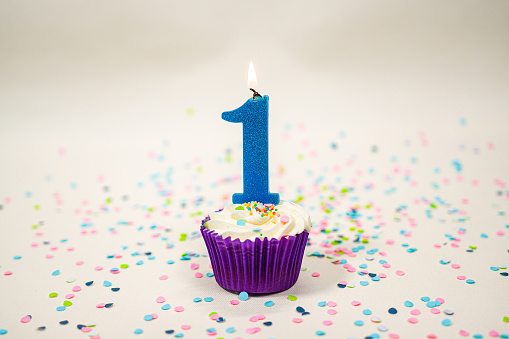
[(55, 273), (211, 329), (446, 322), (320, 332), (210, 275), (138, 331), (425, 299), (61, 308), (208, 299), (364, 283), (179, 335), (17, 257), (477, 336), (409, 303), (197, 300), (241, 222), (430, 304), (165, 307), (359, 323), (392, 310), (230, 330), (139, 262), (64, 322), (170, 262), (106, 283), (269, 303), (470, 281), (367, 311), (322, 303), (2, 331), (243, 296), (115, 289), (148, 317)]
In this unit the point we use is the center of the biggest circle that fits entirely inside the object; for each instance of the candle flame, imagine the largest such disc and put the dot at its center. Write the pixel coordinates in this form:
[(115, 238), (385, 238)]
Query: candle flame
[(251, 76)]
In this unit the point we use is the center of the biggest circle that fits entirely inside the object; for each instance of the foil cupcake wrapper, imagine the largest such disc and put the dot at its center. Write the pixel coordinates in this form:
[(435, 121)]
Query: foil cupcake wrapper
[(259, 266)]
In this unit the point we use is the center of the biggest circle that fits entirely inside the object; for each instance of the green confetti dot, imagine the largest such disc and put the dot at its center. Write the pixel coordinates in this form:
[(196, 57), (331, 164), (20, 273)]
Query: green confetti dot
[(239, 208), (53, 295), (124, 266), (67, 303), (292, 297), (506, 319)]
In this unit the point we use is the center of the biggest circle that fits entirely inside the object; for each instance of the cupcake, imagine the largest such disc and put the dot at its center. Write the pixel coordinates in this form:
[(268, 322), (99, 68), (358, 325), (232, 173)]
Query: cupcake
[(257, 248)]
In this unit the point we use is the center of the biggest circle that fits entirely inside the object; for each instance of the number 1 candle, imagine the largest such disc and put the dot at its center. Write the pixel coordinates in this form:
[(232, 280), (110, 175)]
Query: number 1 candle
[(254, 116)]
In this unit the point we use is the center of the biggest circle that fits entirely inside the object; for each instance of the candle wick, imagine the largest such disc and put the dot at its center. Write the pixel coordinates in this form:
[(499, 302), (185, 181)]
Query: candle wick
[(255, 94)]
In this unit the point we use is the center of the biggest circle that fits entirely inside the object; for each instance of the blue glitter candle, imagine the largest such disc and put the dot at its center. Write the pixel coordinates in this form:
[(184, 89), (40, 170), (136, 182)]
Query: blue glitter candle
[(254, 116)]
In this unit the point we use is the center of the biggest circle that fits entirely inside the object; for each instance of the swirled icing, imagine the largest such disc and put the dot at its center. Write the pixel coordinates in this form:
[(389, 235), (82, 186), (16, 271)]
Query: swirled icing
[(239, 222)]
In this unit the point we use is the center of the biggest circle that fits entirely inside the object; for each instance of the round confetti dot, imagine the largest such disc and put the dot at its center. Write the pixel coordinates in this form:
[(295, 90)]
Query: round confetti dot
[(208, 299), (67, 303), (170, 262), (367, 311), (322, 303), (409, 303), (148, 317), (470, 281), (185, 327), (382, 328), (448, 312), (400, 273), (446, 322), (315, 274), (327, 322), (63, 322), (230, 330), (138, 331), (3, 331), (300, 309), (197, 300), (165, 307), (375, 319), (292, 298), (455, 266), (163, 277), (7, 273), (359, 323), (425, 299), (269, 303), (415, 312), (413, 320), (61, 308), (253, 319), (392, 310), (55, 273), (320, 333), (331, 304), (69, 296), (285, 219), (106, 283), (243, 296), (198, 275), (332, 312), (297, 320), (364, 283), (70, 280), (26, 319), (160, 300), (53, 294), (434, 311), (234, 302), (76, 289), (179, 309), (461, 277), (355, 303)]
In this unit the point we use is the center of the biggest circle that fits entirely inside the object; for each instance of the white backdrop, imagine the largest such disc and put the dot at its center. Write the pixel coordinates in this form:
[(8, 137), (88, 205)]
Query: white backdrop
[(98, 98)]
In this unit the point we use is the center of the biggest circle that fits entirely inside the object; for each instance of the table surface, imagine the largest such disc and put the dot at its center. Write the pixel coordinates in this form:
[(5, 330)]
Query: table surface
[(113, 150)]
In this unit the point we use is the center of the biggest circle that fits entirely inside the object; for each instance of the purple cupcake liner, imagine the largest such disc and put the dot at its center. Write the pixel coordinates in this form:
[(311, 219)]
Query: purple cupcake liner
[(259, 266)]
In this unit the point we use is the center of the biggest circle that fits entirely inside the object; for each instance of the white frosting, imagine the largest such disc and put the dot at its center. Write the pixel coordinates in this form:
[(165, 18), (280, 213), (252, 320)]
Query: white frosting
[(295, 220)]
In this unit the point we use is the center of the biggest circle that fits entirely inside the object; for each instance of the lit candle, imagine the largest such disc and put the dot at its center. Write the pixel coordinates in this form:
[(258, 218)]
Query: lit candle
[(254, 116)]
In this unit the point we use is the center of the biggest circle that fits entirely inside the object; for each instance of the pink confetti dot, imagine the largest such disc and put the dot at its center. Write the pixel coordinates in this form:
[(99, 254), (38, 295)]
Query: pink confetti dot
[(163, 277), (234, 302), (386, 265), (179, 309), (253, 330), (493, 333), (464, 333), (415, 312), (435, 310), (26, 319), (431, 336), (154, 316), (261, 316), (85, 329), (195, 266), (500, 233), (185, 327), (327, 322), (343, 282), (211, 333), (198, 275), (441, 300), (413, 320), (331, 304), (76, 288), (49, 256), (393, 336), (79, 263), (214, 316), (455, 266), (461, 277), (101, 305), (400, 273), (315, 274), (297, 320), (332, 312), (356, 303), (253, 319), (7, 273), (69, 296), (285, 219), (382, 275), (437, 245), (98, 268), (160, 299)]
